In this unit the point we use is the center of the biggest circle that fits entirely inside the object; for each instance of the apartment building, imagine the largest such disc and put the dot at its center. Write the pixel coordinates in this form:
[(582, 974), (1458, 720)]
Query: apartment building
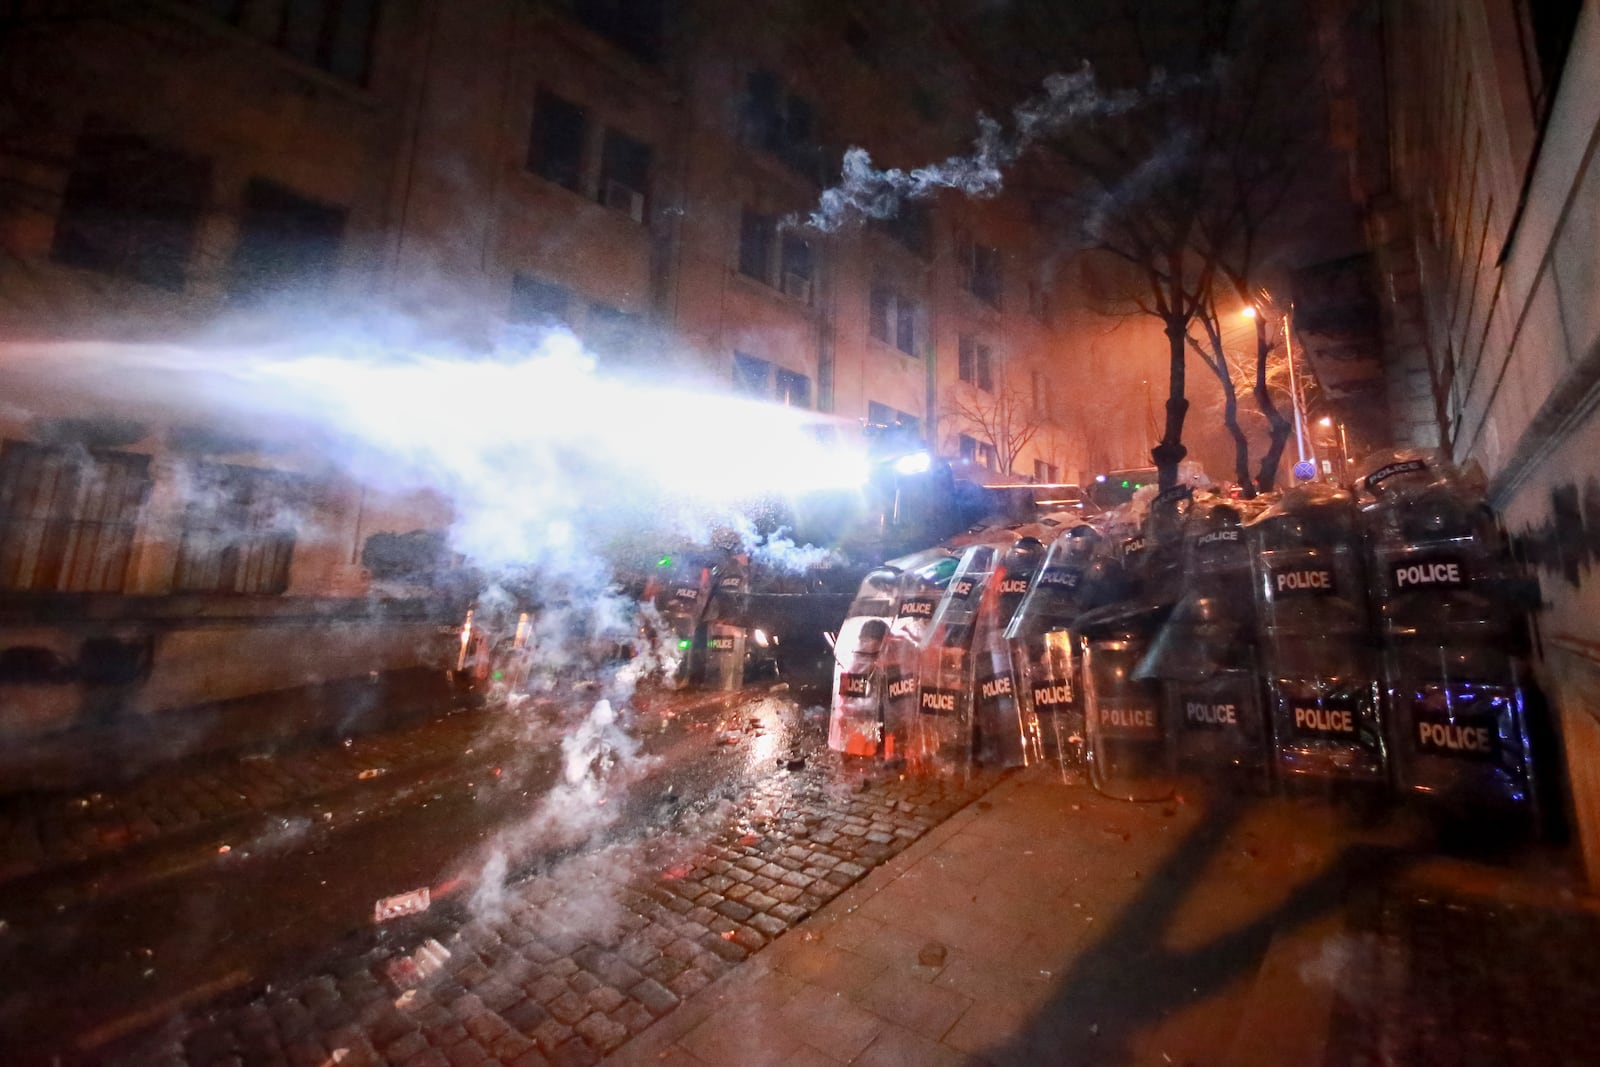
[(639, 173), (1474, 154)]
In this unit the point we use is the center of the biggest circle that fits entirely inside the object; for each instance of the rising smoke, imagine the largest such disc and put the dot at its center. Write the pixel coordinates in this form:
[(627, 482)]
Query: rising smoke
[(865, 191)]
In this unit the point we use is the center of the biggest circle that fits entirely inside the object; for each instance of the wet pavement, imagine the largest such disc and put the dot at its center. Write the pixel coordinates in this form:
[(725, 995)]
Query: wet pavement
[(739, 895), (725, 829)]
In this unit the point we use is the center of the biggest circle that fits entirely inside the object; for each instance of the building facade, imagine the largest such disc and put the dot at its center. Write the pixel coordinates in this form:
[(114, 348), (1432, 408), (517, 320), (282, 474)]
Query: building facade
[(1473, 149), (631, 171)]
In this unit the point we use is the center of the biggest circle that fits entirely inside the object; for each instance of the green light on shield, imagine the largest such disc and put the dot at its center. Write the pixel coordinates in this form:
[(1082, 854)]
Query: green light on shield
[(499, 675), (665, 561), (683, 643), (1125, 483)]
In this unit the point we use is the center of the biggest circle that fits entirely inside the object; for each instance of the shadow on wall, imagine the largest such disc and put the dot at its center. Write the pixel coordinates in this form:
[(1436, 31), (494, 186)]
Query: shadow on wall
[(1568, 541)]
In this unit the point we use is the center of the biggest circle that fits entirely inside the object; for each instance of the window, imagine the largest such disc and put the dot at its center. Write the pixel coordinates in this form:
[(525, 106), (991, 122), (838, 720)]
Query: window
[(286, 243), (793, 389), (625, 174), (615, 333), (751, 376), (1046, 473), (980, 270), (784, 262), (912, 227), (68, 516), (894, 319), (131, 208), (238, 534), (635, 26), (536, 302), (884, 415), (331, 35), (978, 452), (973, 364), (796, 281), (757, 234), (781, 123), (555, 152)]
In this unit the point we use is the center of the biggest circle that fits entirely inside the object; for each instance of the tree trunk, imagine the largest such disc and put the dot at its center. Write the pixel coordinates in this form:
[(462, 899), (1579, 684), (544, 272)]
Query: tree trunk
[(1230, 419), (1170, 451), (1281, 427)]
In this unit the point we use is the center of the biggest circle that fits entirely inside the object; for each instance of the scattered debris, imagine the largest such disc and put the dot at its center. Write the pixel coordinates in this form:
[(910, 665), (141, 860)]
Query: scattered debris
[(795, 763), (1094, 1029), (931, 955), (412, 903), (407, 972), (223, 850), (1117, 831), (370, 772)]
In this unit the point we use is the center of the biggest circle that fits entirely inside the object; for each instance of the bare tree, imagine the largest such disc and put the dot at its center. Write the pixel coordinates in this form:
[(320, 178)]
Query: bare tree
[(1003, 419), (1213, 353)]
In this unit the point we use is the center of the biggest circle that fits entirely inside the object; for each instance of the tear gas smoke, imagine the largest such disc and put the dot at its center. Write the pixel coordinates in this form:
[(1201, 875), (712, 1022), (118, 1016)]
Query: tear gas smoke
[(865, 191)]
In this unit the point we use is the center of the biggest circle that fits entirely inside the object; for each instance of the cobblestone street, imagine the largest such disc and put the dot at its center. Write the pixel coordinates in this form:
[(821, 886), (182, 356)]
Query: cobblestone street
[(569, 964)]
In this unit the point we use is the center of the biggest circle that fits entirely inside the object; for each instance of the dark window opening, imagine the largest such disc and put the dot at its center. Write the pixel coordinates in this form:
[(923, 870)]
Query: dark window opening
[(615, 333), (757, 235), (886, 416), (912, 227), (793, 389), (331, 35), (68, 516), (1046, 473), (287, 243), (131, 208), (796, 266), (752, 377), (555, 151), (635, 26), (536, 302), (894, 319), (239, 533), (625, 174), (980, 270), (782, 123), (973, 364)]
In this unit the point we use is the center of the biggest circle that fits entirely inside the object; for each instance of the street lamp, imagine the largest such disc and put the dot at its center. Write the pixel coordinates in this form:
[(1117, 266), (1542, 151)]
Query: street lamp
[(1328, 422)]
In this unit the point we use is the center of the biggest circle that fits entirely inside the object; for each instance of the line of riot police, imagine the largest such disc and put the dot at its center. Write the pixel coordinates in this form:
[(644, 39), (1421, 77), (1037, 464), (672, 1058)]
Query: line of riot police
[(1372, 638)]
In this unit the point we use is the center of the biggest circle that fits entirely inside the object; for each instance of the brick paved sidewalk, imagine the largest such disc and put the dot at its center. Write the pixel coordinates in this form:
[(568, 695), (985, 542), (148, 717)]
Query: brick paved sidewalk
[(566, 966), (1048, 925)]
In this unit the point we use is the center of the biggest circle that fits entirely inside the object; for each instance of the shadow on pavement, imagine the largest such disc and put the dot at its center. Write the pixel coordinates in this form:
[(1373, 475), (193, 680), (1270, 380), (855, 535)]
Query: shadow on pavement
[(1129, 979)]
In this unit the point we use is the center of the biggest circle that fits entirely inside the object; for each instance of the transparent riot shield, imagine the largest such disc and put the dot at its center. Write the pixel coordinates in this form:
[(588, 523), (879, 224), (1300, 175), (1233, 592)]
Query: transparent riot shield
[(1127, 749), (1005, 735), (946, 669), (1452, 641), (921, 588), (1072, 579), (855, 722), (1321, 668), (682, 592), (1205, 653), (726, 633)]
